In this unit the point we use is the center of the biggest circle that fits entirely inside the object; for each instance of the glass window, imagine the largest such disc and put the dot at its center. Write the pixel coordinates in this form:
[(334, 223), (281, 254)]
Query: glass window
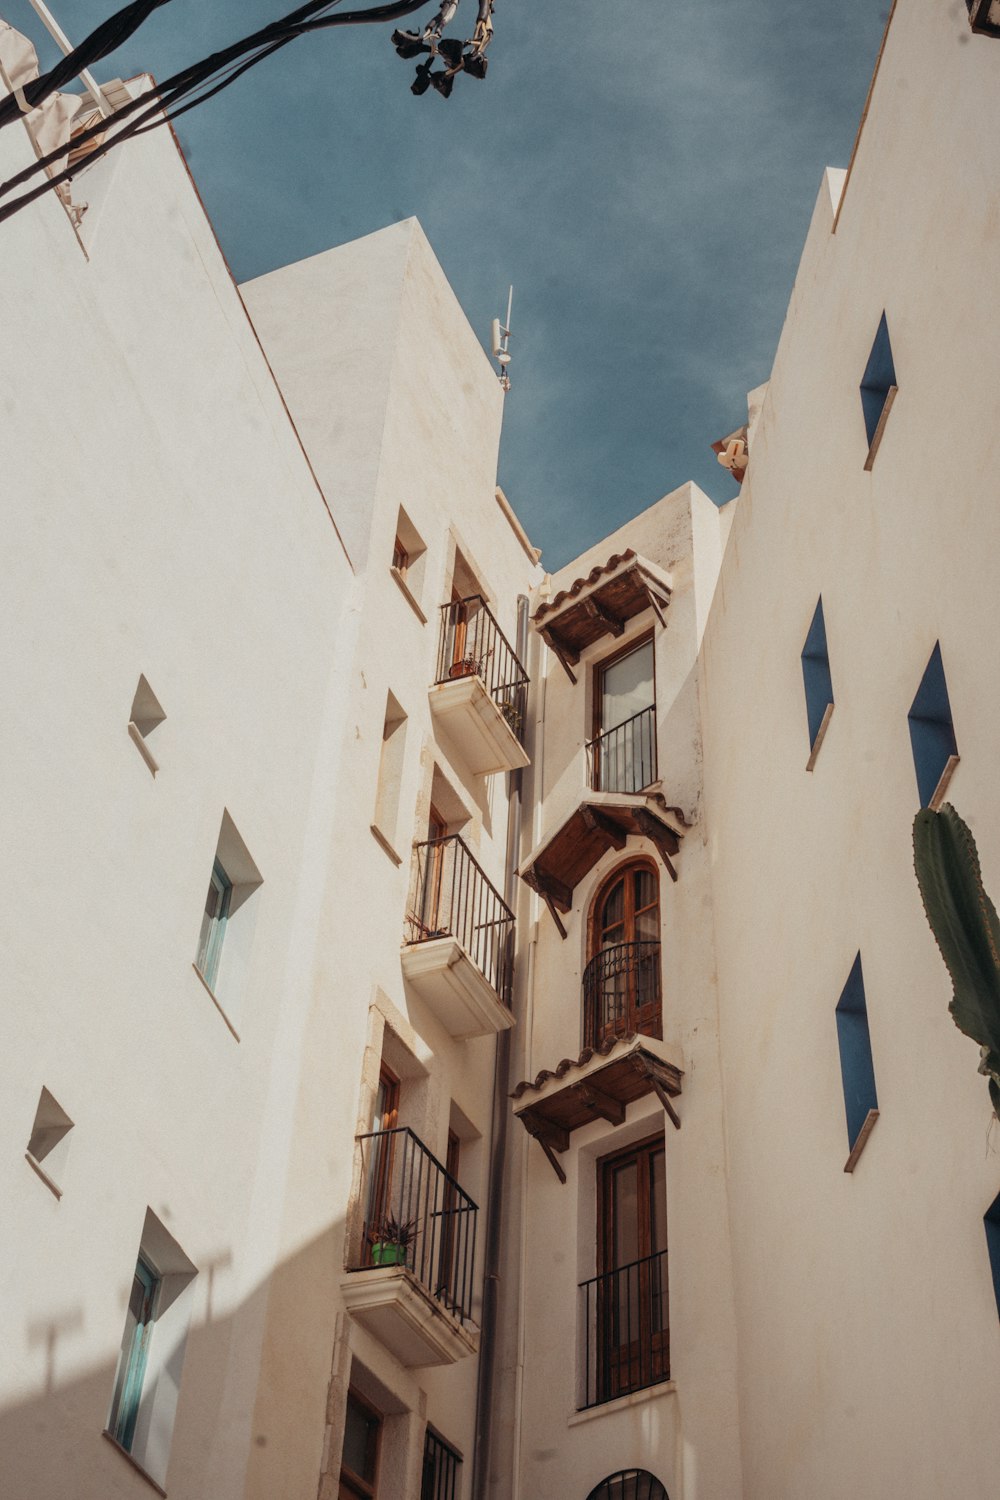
[(134, 1352), (440, 1476), (623, 752), (359, 1462), (213, 924)]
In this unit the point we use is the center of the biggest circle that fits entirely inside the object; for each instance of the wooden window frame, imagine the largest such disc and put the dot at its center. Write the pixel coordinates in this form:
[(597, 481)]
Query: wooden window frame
[(647, 638), (132, 1365), (356, 1484), (657, 1351), (595, 933), (400, 557)]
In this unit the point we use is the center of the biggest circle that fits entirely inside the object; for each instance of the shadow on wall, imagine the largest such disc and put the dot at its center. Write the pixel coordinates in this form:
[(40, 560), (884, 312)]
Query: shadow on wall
[(51, 1442)]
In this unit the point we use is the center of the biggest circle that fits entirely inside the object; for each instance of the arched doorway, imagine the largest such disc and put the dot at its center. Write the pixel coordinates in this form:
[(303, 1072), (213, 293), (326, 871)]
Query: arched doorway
[(621, 983)]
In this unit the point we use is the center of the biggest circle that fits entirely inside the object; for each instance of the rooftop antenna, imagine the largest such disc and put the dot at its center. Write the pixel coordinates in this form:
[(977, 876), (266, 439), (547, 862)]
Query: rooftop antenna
[(500, 342)]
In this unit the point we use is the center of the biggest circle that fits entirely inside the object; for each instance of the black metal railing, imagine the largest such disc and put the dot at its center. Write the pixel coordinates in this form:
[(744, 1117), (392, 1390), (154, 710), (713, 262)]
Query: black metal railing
[(621, 993), (440, 1472), (417, 1216), (453, 897), (623, 759), (625, 1335), (473, 645)]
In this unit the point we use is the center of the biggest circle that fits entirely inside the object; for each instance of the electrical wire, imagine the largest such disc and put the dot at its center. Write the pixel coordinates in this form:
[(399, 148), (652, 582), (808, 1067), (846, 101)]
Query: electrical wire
[(139, 114)]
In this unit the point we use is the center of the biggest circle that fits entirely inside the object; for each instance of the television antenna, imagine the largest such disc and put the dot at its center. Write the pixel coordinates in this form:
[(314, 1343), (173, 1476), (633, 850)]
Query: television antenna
[(500, 343)]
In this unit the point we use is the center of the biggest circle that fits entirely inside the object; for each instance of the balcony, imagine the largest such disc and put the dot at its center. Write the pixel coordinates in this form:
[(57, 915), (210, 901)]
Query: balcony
[(623, 759), (459, 941), (625, 1334), (411, 1283), (621, 993), (480, 693)]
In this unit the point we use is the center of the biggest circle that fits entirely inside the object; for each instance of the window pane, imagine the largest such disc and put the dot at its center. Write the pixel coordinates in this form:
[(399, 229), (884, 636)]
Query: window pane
[(132, 1357), (614, 907), (626, 1214), (360, 1440), (627, 686)]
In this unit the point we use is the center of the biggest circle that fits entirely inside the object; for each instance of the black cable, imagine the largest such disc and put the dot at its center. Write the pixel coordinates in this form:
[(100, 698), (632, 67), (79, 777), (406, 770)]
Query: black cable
[(174, 89), (102, 40)]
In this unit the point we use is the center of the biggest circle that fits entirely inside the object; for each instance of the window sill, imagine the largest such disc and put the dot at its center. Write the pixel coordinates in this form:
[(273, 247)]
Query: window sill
[(817, 743), (408, 596), (126, 1455), (862, 1140), (36, 1165), (135, 735), (381, 839), (890, 397), (215, 1000), (623, 1403), (943, 784)]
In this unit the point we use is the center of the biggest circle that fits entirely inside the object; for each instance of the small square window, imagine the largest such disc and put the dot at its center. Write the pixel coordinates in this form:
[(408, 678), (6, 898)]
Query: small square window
[(856, 1067), (818, 683), (878, 389), (49, 1141), (213, 924), (991, 1222), (133, 1355), (932, 733), (145, 716)]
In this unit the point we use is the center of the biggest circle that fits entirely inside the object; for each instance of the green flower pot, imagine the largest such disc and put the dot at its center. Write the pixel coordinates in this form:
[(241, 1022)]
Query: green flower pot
[(388, 1255)]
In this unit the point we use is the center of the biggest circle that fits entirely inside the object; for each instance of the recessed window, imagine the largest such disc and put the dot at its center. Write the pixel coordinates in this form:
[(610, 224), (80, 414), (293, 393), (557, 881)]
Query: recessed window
[(213, 923), (409, 551), (992, 1225), (440, 1472), (222, 957), (48, 1144), (932, 733), (362, 1441), (145, 716), (151, 1355), (856, 1068), (818, 683), (621, 983), (878, 389), (390, 775)]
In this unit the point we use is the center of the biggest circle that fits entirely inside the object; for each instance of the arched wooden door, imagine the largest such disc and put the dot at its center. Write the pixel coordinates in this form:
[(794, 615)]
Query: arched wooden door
[(622, 978)]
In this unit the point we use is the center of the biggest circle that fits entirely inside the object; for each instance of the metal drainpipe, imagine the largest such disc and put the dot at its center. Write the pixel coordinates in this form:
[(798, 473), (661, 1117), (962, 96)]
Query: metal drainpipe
[(498, 1147)]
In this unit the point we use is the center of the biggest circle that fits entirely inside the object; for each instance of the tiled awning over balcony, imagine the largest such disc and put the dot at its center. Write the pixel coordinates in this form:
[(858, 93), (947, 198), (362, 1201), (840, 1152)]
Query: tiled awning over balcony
[(601, 604), (602, 821), (600, 1083)]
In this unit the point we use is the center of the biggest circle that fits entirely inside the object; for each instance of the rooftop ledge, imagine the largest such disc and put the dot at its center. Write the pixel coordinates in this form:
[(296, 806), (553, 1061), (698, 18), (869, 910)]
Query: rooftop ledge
[(393, 1305)]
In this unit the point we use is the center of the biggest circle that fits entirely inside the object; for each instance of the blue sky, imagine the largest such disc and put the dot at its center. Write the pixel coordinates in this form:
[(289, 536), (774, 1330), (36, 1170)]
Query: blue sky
[(643, 171)]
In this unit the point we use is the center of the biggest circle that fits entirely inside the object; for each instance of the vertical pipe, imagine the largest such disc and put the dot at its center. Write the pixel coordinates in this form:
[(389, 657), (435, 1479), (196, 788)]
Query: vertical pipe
[(498, 1149)]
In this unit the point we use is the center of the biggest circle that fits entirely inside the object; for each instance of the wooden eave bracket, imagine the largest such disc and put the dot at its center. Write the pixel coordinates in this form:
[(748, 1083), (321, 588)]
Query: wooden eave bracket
[(660, 836), (553, 893), (598, 822), (596, 611), (665, 1082), (550, 1137), (567, 658)]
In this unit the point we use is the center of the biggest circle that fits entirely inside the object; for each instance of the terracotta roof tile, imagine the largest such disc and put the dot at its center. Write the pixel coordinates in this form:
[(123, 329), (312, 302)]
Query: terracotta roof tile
[(580, 584)]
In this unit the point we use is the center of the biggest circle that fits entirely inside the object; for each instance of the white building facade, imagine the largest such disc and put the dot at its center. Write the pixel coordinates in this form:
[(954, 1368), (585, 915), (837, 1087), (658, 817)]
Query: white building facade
[(482, 1133)]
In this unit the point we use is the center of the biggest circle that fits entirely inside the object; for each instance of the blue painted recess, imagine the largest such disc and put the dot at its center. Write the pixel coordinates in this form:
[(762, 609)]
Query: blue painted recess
[(932, 733), (856, 1068), (879, 377), (816, 673), (992, 1222)]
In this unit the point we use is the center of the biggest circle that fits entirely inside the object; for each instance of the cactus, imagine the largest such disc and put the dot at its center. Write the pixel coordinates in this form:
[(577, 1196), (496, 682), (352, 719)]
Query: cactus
[(964, 922)]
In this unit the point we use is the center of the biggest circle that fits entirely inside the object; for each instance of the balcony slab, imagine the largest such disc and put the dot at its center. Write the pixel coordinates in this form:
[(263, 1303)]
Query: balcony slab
[(454, 988), (466, 714), (392, 1304)]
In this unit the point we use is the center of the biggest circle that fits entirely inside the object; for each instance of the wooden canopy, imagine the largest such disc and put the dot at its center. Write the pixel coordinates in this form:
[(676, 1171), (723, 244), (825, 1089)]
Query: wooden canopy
[(600, 823), (601, 604), (600, 1083)]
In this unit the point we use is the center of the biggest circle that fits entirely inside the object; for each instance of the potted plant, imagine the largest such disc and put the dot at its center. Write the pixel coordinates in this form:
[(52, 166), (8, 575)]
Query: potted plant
[(390, 1240), (469, 665), (511, 712)]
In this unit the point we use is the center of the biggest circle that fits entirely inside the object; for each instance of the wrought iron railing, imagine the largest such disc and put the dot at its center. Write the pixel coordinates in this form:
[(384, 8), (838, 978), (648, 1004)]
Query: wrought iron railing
[(621, 993), (625, 1335), (472, 644), (440, 1472), (453, 897), (623, 759), (417, 1216)]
